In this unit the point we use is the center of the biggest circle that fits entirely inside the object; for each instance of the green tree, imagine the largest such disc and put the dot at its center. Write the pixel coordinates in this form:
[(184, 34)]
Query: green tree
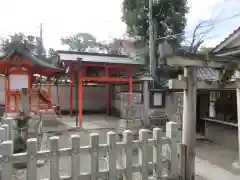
[(33, 43), (85, 42), (113, 47), (168, 17), (204, 49), (52, 52), (80, 42)]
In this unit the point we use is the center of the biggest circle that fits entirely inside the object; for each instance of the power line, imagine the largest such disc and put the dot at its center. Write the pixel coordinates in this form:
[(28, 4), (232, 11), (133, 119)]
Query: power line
[(197, 34), (208, 25), (231, 17)]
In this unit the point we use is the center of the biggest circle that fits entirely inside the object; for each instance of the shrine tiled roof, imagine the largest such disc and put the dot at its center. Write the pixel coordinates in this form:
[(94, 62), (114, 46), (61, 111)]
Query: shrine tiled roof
[(204, 56), (98, 58), (209, 74), (226, 39)]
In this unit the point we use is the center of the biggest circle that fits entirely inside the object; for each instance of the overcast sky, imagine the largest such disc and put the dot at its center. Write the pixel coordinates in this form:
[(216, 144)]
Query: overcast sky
[(100, 18), (216, 11)]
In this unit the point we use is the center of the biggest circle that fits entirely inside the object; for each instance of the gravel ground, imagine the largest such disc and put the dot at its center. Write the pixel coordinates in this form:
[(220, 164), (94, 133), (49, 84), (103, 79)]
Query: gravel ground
[(199, 178)]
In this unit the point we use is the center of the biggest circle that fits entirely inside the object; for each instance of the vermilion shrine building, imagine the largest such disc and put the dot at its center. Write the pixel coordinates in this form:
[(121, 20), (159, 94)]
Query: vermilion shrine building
[(107, 69), (18, 65)]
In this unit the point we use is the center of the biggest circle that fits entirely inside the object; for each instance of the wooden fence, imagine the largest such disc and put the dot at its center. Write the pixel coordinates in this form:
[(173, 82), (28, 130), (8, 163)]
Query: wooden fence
[(165, 163)]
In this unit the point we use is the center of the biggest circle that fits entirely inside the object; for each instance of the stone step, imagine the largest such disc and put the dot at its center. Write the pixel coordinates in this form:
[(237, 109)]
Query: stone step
[(129, 124)]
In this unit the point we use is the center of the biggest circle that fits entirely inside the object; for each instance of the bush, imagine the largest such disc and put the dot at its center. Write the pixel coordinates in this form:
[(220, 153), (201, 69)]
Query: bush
[(20, 146)]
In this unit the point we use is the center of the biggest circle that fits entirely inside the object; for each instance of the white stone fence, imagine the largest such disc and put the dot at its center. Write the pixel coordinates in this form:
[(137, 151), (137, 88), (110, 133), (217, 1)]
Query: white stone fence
[(6, 128), (165, 163)]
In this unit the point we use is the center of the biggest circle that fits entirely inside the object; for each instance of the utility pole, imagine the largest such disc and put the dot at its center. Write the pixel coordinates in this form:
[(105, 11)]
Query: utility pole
[(152, 55), (40, 46), (41, 39), (41, 32)]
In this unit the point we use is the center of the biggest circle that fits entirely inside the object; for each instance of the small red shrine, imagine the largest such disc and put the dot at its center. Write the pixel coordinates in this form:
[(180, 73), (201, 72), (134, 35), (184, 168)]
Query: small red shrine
[(19, 65), (98, 68)]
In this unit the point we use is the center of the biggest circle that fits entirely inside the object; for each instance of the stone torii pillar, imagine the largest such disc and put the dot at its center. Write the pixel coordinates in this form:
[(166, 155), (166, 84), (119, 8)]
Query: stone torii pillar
[(189, 120), (237, 74), (190, 62)]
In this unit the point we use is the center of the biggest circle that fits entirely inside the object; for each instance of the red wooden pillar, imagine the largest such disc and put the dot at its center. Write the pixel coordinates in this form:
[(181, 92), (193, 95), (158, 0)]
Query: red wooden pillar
[(107, 91), (49, 93), (108, 99), (15, 101), (71, 95), (30, 92), (6, 94), (130, 87), (80, 98), (30, 80)]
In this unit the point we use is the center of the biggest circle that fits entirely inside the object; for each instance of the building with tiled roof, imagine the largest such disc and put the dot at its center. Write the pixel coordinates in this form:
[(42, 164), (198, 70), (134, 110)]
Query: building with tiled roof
[(230, 46)]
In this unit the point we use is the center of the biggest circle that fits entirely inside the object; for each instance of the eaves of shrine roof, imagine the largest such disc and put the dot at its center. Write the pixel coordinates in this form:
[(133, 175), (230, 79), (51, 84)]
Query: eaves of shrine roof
[(206, 73), (231, 42), (205, 56), (100, 58), (20, 48)]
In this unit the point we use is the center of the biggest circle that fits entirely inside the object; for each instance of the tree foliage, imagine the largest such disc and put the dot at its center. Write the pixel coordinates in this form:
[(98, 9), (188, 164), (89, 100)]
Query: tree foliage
[(85, 42), (33, 43), (80, 42), (52, 52), (168, 17), (205, 49)]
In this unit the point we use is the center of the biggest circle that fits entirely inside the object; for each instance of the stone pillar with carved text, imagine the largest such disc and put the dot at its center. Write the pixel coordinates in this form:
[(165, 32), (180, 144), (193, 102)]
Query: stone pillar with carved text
[(146, 102), (237, 74), (189, 120)]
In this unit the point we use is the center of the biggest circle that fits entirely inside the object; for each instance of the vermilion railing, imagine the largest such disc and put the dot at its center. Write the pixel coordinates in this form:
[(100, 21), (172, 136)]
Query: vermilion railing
[(35, 102)]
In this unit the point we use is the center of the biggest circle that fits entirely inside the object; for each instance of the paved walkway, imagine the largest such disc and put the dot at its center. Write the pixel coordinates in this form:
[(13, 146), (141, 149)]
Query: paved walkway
[(214, 162), (98, 121), (209, 171)]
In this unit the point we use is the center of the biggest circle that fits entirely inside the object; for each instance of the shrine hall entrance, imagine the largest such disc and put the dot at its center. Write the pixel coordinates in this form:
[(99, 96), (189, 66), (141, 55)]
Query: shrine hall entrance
[(98, 95), (95, 98), (100, 98), (105, 98)]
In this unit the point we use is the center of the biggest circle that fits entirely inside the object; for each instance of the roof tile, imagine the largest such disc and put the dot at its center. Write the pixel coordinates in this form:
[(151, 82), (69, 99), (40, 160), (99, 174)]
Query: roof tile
[(229, 36)]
